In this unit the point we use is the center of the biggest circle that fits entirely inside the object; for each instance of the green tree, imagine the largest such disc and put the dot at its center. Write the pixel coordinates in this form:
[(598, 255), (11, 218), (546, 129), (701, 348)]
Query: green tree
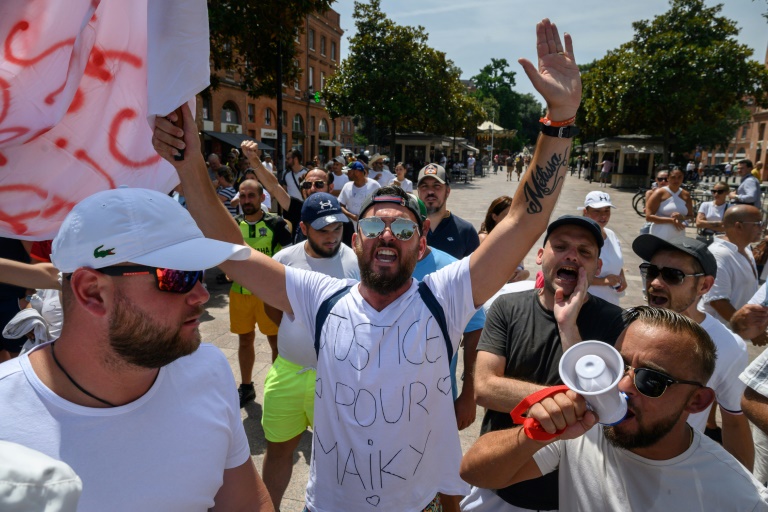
[(516, 111), (394, 79), (683, 76), (255, 29)]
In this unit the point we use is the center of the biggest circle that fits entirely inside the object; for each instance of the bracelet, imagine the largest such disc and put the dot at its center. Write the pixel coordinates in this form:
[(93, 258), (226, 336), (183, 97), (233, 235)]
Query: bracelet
[(563, 132), (548, 122)]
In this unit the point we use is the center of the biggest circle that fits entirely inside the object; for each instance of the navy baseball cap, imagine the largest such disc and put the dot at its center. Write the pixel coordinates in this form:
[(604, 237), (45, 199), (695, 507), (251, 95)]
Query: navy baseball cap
[(321, 209), (356, 166), (577, 220)]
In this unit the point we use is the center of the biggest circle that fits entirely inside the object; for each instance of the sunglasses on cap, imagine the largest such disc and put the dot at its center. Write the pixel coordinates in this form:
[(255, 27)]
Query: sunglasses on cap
[(671, 276), (402, 229), (319, 184), (653, 383), (166, 279)]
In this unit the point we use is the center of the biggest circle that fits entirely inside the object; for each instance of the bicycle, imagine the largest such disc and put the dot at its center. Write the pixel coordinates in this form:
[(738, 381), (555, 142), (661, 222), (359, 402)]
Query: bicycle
[(638, 201)]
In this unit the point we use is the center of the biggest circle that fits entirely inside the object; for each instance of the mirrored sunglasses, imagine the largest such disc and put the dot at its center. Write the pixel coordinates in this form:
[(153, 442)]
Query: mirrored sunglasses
[(402, 229), (671, 276), (652, 383), (166, 279), (319, 184)]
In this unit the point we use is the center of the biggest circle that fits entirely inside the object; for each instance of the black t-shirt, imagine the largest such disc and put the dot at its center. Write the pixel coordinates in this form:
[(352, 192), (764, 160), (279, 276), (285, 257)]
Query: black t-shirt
[(293, 215), (518, 328), (455, 236), (12, 249)]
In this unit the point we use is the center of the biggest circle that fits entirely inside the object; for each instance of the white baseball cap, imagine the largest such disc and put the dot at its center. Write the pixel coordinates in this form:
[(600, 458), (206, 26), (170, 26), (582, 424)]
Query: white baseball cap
[(136, 225), (596, 199)]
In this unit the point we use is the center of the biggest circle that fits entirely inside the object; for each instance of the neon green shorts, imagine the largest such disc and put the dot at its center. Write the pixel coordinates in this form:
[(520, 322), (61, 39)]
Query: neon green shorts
[(289, 401)]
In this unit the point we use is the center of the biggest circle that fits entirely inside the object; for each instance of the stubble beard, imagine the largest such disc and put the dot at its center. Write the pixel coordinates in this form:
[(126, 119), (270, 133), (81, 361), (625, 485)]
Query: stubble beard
[(140, 341), (644, 437)]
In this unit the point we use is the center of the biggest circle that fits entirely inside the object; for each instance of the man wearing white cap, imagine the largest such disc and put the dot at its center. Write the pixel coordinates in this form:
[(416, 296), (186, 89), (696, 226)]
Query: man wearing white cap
[(127, 396), (610, 283)]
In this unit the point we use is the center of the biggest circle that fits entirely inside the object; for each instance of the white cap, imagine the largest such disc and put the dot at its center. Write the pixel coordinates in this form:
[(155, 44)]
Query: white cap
[(597, 199), (136, 225), (30, 480)]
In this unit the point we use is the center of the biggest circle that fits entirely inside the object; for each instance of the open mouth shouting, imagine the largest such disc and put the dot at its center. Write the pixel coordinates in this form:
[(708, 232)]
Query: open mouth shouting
[(568, 274), (657, 299)]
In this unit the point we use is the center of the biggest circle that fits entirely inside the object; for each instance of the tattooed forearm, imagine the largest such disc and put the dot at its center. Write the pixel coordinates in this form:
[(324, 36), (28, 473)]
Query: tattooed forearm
[(545, 181)]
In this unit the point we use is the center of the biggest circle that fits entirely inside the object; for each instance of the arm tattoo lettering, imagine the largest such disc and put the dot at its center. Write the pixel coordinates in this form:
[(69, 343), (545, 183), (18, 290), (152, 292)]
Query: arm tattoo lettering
[(545, 181)]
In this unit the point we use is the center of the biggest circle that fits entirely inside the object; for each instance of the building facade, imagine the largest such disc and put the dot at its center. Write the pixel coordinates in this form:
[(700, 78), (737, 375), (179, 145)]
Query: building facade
[(230, 115)]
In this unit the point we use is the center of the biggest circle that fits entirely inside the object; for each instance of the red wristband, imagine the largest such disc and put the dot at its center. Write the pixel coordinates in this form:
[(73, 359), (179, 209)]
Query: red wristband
[(557, 124)]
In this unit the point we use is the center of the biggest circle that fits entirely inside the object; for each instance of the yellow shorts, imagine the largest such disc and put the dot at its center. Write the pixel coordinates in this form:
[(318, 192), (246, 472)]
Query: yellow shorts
[(247, 311), (289, 401)]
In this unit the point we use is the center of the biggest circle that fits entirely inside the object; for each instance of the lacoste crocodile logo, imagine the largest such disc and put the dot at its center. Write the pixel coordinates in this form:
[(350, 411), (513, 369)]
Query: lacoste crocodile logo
[(97, 253)]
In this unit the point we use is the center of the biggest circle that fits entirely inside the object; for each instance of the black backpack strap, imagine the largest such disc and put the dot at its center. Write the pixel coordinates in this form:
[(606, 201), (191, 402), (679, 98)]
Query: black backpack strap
[(324, 311), (437, 311)]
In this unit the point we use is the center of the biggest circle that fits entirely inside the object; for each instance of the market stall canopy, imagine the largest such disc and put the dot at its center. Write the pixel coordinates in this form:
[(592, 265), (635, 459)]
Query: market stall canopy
[(79, 81), (487, 126), (235, 139)]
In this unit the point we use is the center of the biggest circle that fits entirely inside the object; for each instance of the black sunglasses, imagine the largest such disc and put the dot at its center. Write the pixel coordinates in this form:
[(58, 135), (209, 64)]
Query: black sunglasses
[(719, 191), (662, 179), (652, 383), (166, 279), (670, 275), (319, 184)]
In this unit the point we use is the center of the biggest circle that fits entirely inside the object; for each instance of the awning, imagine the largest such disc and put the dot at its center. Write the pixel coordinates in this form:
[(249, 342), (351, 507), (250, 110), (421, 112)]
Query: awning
[(467, 146), (235, 139), (337, 143), (324, 142)]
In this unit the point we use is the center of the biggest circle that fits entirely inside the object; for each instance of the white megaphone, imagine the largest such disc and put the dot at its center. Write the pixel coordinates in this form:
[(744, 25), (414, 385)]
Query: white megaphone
[(593, 369)]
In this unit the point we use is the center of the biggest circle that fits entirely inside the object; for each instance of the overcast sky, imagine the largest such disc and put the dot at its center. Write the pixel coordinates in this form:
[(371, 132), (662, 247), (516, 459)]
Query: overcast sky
[(471, 32)]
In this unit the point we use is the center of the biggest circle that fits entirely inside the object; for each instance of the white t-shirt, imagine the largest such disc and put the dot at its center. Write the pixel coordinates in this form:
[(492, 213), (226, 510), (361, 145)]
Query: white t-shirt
[(294, 342), (352, 197), (732, 359), (736, 277), (386, 177), (406, 185), (613, 262), (165, 451), (268, 166), (712, 212), (385, 435), (339, 181), (595, 475), (293, 181)]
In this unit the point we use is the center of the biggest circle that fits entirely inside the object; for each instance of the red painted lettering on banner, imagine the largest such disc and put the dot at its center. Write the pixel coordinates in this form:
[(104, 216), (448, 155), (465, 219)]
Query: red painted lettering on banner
[(3, 160), (81, 155), (77, 102), (21, 27), (114, 129), (5, 99), (18, 130)]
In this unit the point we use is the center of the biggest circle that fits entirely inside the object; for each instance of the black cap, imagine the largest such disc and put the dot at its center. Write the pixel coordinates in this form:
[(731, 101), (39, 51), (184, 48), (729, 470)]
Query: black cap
[(646, 246), (383, 195), (577, 220)]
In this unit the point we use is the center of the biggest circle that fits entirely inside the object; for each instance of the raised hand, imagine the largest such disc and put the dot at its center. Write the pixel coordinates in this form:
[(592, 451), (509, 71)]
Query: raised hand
[(168, 139), (557, 78)]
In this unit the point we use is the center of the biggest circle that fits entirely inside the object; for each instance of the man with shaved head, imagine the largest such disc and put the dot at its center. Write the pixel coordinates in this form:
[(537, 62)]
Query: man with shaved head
[(737, 273)]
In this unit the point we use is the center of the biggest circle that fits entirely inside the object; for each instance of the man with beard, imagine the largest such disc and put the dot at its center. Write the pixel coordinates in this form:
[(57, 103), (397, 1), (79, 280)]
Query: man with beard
[(289, 389), (385, 433), (267, 233), (524, 337), (679, 272), (651, 460), (127, 396), (448, 232)]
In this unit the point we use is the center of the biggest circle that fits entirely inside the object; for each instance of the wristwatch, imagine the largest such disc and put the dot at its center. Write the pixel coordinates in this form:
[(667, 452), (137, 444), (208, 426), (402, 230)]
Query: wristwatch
[(563, 132)]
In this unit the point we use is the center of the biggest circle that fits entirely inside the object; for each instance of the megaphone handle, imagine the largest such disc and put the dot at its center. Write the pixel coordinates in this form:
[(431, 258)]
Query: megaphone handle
[(532, 427)]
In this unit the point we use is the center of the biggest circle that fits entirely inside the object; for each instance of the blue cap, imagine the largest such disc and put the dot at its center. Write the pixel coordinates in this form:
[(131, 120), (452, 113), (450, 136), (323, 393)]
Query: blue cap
[(356, 166), (321, 209)]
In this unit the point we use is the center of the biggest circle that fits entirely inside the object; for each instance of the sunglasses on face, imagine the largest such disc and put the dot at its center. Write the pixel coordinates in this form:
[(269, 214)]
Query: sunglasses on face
[(166, 279), (719, 191), (319, 184), (662, 179), (671, 276), (652, 383), (373, 227)]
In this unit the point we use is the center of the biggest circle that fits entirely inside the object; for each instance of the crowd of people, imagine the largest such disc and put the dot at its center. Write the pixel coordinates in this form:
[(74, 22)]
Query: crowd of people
[(368, 294)]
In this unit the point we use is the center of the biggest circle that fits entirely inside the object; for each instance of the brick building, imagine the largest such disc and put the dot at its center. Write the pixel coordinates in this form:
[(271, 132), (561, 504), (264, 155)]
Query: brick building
[(230, 115)]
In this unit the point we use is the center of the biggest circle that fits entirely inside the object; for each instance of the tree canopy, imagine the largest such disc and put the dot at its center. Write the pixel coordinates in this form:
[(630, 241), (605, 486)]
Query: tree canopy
[(516, 111), (394, 80), (683, 76), (254, 28)]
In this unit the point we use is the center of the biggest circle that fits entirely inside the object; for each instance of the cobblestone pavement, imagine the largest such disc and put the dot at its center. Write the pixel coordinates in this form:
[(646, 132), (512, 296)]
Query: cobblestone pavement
[(470, 201)]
